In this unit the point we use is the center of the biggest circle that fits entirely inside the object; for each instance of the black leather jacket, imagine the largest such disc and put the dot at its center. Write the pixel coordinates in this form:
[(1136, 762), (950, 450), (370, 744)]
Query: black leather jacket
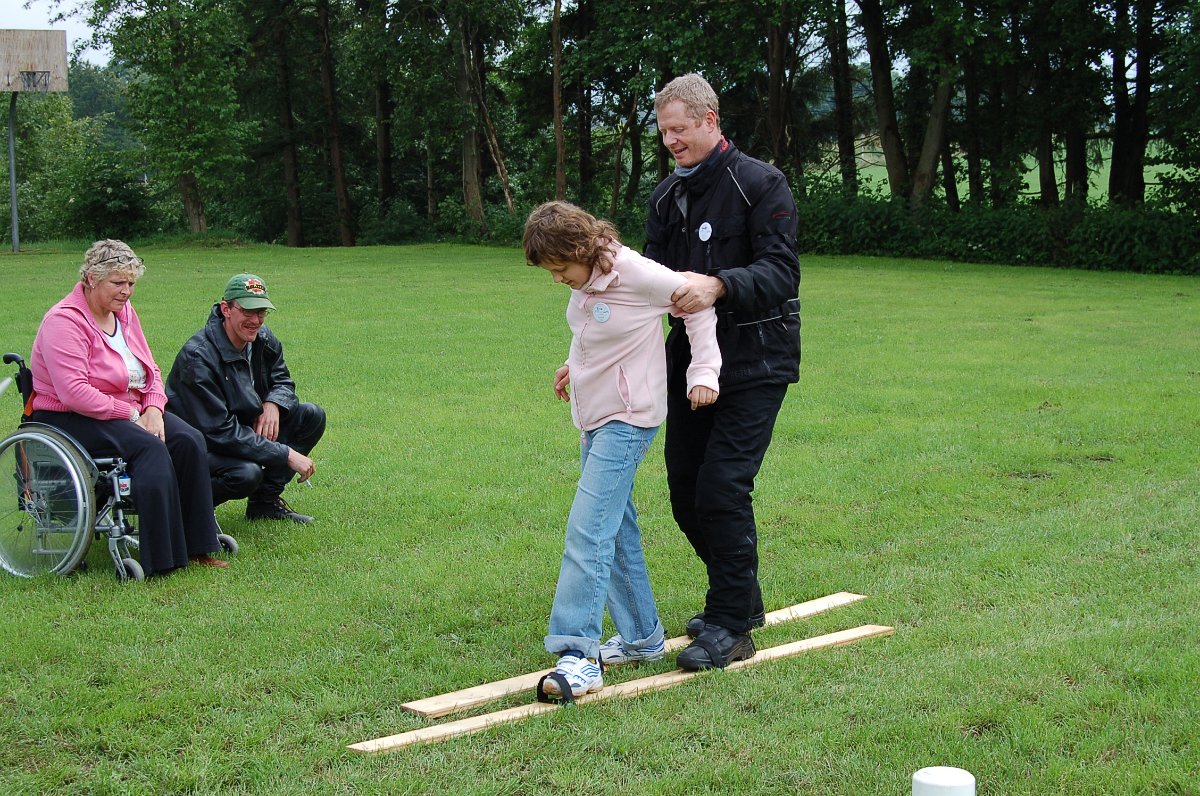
[(220, 391), (735, 219)]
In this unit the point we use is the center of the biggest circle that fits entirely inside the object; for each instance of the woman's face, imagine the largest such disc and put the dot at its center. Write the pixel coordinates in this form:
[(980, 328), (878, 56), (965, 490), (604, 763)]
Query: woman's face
[(111, 293)]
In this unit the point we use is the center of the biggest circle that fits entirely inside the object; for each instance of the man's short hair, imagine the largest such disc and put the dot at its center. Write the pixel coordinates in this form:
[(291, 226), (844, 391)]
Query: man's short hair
[(694, 92)]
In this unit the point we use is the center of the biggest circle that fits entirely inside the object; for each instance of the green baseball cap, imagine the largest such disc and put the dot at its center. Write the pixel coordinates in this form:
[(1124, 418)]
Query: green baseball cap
[(249, 291)]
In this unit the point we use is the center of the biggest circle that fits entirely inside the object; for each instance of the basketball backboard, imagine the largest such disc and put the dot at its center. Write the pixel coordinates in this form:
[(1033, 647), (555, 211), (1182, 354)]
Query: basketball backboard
[(33, 60)]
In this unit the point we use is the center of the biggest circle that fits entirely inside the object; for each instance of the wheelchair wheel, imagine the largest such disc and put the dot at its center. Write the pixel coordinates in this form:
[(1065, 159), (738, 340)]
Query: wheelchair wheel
[(47, 503), (228, 543), (130, 570)]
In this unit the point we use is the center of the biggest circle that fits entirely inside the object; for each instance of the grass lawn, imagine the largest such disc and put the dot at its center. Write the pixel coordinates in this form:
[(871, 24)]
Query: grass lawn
[(1004, 460)]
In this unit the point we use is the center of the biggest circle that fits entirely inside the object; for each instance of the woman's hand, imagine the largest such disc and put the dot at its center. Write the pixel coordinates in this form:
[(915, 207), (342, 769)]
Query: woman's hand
[(152, 421), (562, 378)]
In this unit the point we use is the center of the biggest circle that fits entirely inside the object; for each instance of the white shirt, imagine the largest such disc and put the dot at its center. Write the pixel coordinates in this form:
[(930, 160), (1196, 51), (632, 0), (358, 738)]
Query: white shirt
[(137, 373)]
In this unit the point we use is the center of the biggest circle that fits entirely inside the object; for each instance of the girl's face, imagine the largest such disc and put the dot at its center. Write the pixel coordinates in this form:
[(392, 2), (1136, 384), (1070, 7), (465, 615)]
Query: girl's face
[(572, 274)]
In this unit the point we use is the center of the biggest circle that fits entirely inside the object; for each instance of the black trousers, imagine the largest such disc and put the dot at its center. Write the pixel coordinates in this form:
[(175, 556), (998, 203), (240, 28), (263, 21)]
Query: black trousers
[(713, 455), (233, 479), (170, 483)]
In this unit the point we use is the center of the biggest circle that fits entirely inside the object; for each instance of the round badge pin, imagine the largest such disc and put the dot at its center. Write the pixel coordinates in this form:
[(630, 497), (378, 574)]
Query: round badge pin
[(601, 313), (705, 231)]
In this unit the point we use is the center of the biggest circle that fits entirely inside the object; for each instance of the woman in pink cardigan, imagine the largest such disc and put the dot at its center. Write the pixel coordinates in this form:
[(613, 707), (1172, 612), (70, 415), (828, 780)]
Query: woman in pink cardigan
[(616, 373), (95, 378)]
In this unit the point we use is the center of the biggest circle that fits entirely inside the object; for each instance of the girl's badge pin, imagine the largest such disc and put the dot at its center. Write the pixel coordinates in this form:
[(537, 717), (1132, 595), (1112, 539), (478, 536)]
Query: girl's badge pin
[(601, 313), (705, 231)]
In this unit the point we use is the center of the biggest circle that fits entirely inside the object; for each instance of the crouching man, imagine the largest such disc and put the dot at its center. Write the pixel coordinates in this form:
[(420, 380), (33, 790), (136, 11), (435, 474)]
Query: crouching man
[(230, 381)]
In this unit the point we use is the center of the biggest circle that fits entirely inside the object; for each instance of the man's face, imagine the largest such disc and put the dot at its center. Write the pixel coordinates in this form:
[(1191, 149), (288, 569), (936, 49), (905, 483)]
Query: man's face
[(242, 325), (689, 141)]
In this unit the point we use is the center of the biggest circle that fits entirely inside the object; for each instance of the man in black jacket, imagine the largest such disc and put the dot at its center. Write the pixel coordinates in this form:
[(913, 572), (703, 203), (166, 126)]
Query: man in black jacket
[(230, 381), (728, 221)]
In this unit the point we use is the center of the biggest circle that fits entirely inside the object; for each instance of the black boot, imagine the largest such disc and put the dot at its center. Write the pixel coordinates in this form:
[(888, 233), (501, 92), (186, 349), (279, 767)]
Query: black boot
[(274, 509), (716, 647)]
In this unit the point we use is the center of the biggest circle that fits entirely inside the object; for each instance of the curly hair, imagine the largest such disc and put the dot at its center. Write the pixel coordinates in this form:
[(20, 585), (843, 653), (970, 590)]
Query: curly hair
[(694, 92), (106, 256), (561, 232)]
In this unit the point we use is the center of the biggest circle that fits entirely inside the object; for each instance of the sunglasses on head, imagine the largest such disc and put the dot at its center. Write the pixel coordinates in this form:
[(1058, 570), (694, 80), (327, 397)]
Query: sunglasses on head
[(123, 259)]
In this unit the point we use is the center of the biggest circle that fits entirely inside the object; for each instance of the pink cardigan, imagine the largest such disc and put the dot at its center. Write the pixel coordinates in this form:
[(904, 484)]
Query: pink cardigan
[(618, 360), (74, 370)]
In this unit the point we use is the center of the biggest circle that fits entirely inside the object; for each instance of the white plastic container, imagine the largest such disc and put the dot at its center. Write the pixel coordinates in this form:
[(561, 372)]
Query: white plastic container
[(943, 781)]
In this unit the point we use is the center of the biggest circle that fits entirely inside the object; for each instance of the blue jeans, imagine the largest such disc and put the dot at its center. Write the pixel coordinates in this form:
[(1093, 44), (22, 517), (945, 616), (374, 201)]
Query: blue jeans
[(603, 561)]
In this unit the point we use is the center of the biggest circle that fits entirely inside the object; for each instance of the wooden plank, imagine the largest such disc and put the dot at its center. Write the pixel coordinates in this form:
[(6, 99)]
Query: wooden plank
[(444, 704), (644, 685)]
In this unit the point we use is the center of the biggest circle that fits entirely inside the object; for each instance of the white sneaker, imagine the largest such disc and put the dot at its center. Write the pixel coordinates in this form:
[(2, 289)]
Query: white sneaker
[(582, 675), (614, 652)]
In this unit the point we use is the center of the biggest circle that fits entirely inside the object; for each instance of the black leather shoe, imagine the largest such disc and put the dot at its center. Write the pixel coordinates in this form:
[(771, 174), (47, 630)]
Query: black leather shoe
[(715, 647), (274, 509), (695, 625)]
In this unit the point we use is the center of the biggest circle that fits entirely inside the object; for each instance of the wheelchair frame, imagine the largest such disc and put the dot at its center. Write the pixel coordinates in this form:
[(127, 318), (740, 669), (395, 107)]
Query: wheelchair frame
[(52, 469)]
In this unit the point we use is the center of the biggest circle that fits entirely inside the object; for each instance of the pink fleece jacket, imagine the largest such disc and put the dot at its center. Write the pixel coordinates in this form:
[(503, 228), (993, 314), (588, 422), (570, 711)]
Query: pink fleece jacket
[(74, 370), (618, 360)]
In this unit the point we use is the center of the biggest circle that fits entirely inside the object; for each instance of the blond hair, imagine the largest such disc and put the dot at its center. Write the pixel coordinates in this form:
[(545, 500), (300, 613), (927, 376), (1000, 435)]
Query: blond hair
[(694, 92), (106, 256), (561, 232)]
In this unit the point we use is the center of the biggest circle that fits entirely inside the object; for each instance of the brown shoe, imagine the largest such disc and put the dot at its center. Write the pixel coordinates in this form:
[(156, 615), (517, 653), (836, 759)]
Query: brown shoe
[(208, 561)]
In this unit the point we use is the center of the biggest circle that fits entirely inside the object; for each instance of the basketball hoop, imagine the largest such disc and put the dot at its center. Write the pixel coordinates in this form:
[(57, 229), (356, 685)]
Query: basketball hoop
[(35, 81), (35, 62)]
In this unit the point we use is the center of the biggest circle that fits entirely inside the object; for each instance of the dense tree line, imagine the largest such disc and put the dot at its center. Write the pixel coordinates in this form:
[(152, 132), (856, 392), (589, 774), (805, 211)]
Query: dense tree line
[(344, 121)]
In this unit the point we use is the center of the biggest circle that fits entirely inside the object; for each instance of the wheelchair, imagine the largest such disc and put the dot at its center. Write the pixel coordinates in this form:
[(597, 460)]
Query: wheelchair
[(55, 499)]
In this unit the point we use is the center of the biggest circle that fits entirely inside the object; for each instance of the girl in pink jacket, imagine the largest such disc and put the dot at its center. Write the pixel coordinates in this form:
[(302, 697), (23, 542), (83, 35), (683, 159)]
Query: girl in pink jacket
[(617, 374)]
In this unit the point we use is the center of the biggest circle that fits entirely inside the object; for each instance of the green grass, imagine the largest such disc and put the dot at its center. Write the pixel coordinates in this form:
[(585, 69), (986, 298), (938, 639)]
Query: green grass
[(1003, 459)]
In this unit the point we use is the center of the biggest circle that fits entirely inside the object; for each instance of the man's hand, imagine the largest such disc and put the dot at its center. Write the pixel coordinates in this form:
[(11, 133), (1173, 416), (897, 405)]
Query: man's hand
[(301, 464), (702, 396), (698, 292), (562, 378), (267, 424)]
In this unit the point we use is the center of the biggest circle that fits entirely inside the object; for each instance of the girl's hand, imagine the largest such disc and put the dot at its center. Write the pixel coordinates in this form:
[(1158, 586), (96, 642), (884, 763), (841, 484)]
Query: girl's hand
[(562, 378), (702, 396)]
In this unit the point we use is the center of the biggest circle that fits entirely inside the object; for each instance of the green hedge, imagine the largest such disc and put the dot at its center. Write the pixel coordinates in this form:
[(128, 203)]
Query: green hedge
[(1104, 238)]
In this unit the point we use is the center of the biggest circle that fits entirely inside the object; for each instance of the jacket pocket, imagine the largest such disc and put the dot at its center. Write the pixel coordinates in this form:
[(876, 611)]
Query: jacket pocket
[(623, 389), (724, 233)]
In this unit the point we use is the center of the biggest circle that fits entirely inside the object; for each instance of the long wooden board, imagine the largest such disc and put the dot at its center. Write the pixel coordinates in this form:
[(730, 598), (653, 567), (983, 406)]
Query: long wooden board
[(657, 682), (444, 704)]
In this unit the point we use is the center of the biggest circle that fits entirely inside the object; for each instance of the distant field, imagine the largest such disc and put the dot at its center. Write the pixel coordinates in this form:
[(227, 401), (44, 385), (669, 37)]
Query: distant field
[(872, 170)]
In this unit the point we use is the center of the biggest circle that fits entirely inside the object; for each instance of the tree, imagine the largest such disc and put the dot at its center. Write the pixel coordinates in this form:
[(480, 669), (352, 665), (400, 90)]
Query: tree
[(871, 18), (268, 84), (73, 178), (183, 61), (560, 144), (345, 213), (837, 34), (1136, 74), (1179, 102)]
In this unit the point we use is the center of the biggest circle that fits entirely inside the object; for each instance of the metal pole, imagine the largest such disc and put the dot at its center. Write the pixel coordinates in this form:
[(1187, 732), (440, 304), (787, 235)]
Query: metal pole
[(12, 170)]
